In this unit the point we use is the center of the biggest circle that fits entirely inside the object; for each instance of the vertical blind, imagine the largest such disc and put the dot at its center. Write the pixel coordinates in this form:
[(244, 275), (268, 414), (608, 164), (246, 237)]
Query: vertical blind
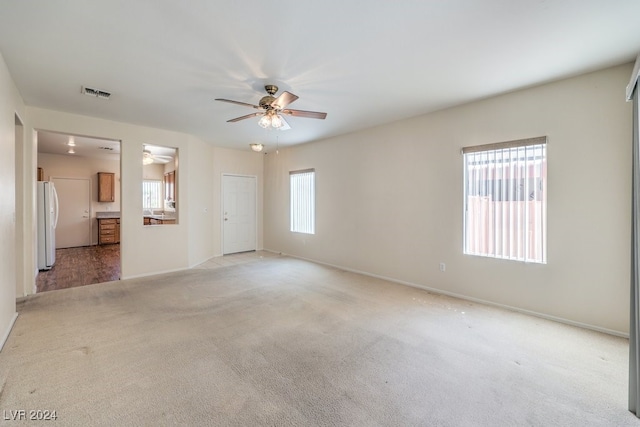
[(151, 194), (303, 201), (505, 200)]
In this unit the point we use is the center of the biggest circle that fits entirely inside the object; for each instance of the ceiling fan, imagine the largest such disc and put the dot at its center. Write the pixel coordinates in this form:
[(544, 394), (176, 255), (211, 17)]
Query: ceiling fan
[(149, 158), (272, 108)]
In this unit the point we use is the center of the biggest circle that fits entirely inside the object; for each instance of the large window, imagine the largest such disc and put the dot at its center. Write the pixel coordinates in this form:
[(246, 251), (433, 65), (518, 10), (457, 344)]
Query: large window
[(152, 194), (505, 200), (303, 201)]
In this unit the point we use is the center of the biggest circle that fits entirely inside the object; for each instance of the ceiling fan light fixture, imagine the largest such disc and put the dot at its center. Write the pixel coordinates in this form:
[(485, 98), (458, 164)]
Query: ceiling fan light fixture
[(256, 147), (271, 107), (276, 121), (147, 158), (265, 121)]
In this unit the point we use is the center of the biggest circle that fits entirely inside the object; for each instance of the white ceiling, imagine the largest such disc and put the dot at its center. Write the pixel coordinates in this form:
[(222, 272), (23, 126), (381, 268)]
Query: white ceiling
[(362, 62), (57, 143)]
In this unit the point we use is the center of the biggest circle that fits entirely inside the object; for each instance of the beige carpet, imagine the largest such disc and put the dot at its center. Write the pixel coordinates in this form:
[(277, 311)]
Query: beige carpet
[(280, 341)]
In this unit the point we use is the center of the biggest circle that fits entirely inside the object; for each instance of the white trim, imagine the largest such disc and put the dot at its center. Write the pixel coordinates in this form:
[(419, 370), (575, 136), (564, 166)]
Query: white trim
[(155, 273), (6, 334), (635, 75), (467, 298)]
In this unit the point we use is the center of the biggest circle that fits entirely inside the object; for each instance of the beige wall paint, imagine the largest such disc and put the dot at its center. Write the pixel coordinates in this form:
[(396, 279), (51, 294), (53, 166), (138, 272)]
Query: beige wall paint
[(153, 171), (62, 166), (389, 200), (201, 214), (10, 281)]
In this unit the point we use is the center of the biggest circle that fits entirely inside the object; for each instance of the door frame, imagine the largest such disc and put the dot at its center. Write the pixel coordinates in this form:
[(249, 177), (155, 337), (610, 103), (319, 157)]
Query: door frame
[(255, 184)]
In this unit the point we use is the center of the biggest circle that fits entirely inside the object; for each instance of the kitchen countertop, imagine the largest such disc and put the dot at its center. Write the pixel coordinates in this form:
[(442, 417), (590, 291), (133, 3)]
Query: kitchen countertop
[(107, 215), (164, 216)]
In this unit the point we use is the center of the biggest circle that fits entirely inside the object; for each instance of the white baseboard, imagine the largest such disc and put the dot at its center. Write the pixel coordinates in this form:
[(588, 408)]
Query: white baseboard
[(468, 298), (5, 337), (154, 273)]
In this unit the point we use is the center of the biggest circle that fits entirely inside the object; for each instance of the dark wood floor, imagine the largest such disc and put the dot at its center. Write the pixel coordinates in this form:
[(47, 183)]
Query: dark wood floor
[(81, 266)]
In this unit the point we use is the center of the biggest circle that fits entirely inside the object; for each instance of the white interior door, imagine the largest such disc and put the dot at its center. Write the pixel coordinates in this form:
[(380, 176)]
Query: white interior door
[(74, 218), (238, 214)]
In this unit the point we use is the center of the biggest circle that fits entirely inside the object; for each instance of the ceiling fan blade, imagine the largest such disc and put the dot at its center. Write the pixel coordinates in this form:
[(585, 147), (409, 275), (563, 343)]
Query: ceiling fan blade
[(285, 125), (248, 116), (302, 113), (283, 100), (238, 103)]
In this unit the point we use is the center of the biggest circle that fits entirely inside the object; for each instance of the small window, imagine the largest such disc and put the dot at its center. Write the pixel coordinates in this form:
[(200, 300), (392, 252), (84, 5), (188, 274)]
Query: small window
[(505, 200), (152, 194), (303, 201)]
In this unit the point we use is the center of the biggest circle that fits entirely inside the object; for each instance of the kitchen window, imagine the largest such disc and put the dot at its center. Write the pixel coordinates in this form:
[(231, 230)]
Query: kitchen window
[(303, 201), (505, 200), (152, 194)]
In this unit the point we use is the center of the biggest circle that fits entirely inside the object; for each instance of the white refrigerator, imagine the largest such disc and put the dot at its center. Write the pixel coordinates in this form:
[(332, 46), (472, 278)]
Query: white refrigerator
[(47, 220)]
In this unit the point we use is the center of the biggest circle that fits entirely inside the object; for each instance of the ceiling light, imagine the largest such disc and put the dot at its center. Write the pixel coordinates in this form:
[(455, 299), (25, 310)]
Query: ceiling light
[(256, 147), (271, 119), (147, 157), (276, 121), (265, 121)]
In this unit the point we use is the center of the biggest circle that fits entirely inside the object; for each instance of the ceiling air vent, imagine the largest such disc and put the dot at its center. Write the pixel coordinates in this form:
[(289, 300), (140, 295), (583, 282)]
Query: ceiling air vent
[(95, 92)]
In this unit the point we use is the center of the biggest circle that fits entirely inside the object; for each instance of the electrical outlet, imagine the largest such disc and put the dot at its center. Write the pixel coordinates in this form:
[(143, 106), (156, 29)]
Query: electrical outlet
[(443, 266)]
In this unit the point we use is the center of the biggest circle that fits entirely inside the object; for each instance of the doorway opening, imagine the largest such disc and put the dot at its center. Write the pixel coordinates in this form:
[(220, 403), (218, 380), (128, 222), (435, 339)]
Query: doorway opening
[(85, 174)]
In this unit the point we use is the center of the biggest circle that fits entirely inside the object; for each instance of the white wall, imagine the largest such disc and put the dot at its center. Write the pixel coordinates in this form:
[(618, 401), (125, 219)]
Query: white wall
[(154, 171), (196, 237), (10, 105), (64, 166), (389, 200), (201, 214), (144, 250)]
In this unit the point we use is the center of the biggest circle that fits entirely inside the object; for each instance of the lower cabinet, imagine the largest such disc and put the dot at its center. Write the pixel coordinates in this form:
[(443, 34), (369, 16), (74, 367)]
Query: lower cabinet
[(157, 221), (108, 230)]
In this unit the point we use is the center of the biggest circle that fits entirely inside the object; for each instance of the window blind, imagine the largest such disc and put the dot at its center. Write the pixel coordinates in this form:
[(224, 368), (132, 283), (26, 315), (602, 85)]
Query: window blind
[(505, 200), (151, 194), (302, 201)]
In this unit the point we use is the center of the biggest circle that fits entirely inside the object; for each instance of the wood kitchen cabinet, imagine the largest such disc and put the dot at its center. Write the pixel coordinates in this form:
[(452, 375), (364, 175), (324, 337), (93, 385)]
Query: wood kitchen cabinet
[(106, 187), (148, 220), (154, 221), (108, 230), (170, 186)]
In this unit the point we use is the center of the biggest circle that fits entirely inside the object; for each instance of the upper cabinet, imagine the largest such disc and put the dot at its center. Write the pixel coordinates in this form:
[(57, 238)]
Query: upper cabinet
[(170, 186), (106, 187)]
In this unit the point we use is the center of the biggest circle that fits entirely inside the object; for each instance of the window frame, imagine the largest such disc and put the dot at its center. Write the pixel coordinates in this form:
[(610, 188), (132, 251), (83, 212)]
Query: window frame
[(296, 224), (526, 241)]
